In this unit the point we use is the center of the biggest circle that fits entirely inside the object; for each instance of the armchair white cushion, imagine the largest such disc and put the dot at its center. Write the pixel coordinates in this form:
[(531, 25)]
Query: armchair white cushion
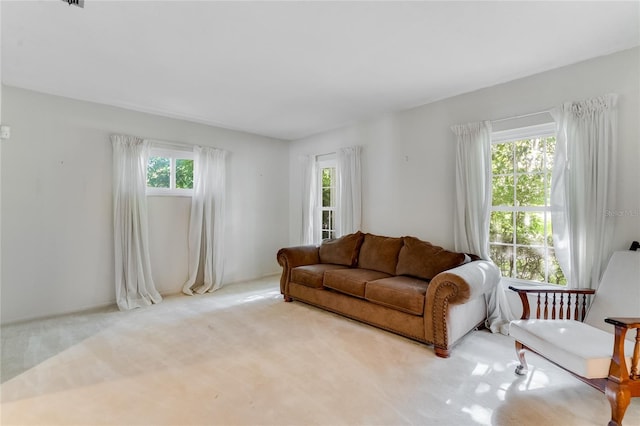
[(574, 345)]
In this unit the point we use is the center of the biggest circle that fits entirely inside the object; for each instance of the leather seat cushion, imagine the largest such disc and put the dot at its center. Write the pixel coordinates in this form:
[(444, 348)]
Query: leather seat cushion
[(576, 346), (351, 281), (312, 275), (405, 294)]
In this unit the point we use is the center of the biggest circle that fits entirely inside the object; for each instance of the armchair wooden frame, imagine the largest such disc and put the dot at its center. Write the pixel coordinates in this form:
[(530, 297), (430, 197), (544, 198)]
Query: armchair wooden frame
[(622, 383)]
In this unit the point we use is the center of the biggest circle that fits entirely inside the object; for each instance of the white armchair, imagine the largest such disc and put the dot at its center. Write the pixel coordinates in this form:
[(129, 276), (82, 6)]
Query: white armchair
[(588, 339)]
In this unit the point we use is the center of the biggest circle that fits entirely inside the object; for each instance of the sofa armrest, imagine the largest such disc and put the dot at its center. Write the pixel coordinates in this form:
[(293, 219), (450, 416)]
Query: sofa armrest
[(290, 257), (468, 281), (453, 287)]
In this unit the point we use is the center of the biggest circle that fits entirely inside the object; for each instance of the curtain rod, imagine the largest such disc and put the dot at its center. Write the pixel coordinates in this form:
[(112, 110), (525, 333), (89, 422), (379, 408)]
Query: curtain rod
[(515, 117)]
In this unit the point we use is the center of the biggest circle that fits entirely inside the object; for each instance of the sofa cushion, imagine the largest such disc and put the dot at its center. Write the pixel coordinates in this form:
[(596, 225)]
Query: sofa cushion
[(312, 275), (351, 281), (423, 260), (379, 253), (343, 250), (402, 293)]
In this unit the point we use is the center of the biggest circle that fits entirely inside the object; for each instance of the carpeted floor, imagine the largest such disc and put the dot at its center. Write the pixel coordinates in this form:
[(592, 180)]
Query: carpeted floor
[(241, 356)]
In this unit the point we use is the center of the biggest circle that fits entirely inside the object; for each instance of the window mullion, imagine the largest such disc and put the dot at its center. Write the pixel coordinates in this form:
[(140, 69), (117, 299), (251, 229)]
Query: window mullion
[(514, 253)]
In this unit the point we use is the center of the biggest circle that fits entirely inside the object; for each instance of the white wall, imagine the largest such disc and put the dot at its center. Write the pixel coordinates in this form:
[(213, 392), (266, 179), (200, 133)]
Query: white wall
[(1, 122), (408, 156), (57, 239)]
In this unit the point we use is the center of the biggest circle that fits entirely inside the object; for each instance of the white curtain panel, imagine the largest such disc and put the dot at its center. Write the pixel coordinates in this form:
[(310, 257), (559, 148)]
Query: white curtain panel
[(309, 196), (582, 188), (206, 225), (473, 188), (134, 284), (473, 209), (349, 201)]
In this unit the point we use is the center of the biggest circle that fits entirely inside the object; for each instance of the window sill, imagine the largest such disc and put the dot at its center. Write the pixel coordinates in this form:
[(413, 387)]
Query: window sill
[(161, 192), (507, 281)]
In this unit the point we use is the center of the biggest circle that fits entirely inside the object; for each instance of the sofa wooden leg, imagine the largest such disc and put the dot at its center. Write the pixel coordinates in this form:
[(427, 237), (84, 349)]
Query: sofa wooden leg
[(521, 369), (288, 298), (619, 397), (442, 352)]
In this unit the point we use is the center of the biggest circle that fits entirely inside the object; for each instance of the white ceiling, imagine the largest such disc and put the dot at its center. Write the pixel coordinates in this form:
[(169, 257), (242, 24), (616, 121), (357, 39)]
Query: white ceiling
[(292, 69)]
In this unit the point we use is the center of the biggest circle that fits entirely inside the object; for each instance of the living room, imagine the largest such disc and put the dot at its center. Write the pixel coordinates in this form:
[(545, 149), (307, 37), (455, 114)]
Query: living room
[(57, 190)]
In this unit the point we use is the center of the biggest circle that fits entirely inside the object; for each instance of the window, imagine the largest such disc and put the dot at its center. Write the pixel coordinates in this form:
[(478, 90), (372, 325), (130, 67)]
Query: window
[(520, 235), (170, 172), (327, 193)]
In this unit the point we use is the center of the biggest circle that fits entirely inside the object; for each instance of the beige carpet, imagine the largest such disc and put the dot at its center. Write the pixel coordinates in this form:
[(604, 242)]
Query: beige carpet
[(242, 356)]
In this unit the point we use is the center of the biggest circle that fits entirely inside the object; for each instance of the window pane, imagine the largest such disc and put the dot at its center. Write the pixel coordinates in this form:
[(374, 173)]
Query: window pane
[(158, 172), (328, 186), (503, 258), (502, 191), (502, 158), (547, 178), (551, 150), (327, 220), (548, 234), (530, 228), (501, 227), (326, 197), (184, 174), (530, 155), (530, 190), (327, 177), (530, 263), (555, 273)]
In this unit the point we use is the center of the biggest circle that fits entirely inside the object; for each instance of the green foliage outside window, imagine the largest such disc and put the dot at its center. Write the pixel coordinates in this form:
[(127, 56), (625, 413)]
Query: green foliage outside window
[(159, 172), (184, 174), (520, 229), (328, 202)]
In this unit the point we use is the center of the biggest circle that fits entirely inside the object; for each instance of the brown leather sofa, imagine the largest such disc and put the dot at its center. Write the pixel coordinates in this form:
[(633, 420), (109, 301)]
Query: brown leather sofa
[(403, 285)]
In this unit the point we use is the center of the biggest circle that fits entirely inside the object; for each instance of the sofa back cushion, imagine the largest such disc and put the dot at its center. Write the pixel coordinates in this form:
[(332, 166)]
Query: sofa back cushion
[(379, 253), (341, 251), (423, 260)]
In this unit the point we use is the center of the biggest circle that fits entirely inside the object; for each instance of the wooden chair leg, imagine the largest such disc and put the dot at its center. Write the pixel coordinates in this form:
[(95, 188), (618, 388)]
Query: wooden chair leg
[(619, 397), (521, 370)]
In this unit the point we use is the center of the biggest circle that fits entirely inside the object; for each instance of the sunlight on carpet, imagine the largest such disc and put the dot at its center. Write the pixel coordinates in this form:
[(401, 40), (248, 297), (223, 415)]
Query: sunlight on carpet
[(241, 356)]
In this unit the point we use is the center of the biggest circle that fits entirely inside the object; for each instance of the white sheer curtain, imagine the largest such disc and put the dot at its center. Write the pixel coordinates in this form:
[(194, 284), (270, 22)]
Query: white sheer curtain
[(134, 284), (309, 197), (473, 188), (473, 209), (583, 187), (206, 226), (349, 188)]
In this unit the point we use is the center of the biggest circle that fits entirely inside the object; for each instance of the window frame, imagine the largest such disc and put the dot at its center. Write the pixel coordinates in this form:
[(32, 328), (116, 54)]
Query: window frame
[(543, 130), (324, 162), (173, 155)]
